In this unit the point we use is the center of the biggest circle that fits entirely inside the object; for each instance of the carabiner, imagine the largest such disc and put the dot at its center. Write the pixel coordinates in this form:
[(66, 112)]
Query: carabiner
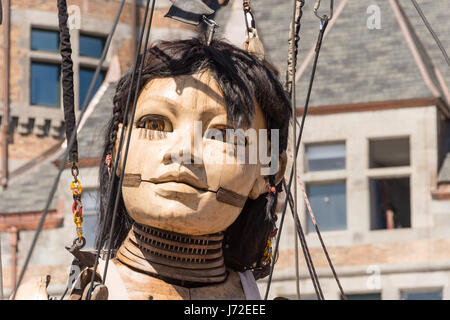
[(249, 20), (317, 6)]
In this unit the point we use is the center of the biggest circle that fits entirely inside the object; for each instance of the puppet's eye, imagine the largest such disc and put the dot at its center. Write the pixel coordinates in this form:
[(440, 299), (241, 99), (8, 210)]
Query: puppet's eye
[(221, 134), (155, 122)]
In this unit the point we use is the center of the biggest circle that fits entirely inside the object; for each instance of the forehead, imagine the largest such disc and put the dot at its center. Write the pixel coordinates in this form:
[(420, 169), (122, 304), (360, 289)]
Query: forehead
[(197, 93)]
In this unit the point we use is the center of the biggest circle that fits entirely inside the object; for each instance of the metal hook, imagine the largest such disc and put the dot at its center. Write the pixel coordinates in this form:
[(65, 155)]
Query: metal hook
[(249, 20), (212, 25), (317, 6)]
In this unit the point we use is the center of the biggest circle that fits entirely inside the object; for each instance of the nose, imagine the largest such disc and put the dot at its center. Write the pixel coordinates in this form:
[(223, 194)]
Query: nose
[(186, 148)]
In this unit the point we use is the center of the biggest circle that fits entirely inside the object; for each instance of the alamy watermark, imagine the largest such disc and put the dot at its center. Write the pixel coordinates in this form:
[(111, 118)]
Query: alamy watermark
[(374, 280), (74, 21), (374, 18), (248, 146)]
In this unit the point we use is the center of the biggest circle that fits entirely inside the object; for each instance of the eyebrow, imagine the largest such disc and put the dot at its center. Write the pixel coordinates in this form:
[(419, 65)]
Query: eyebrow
[(174, 106)]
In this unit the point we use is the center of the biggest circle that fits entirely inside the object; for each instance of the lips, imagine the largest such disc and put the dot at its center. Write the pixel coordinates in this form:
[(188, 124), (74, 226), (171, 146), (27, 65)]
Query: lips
[(183, 178)]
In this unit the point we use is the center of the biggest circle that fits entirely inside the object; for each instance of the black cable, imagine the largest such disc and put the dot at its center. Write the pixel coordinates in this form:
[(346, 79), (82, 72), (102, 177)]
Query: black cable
[(306, 252), (430, 29), (116, 160), (66, 153), (130, 128), (318, 47), (323, 26), (292, 57), (67, 78), (344, 297)]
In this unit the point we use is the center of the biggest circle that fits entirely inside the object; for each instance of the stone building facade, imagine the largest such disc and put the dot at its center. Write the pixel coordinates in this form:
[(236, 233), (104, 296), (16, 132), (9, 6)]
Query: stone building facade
[(376, 139)]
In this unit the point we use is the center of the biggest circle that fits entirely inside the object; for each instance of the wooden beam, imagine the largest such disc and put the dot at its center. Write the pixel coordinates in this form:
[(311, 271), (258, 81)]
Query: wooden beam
[(82, 163)]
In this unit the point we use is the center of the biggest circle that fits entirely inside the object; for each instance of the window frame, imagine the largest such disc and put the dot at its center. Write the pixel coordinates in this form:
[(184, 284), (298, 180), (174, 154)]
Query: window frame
[(43, 28), (399, 137), (324, 177), (59, 86), (323, 143), (55, 57), (83, 33), (394, 172), (83, 65), (421, 290), (308, 219)]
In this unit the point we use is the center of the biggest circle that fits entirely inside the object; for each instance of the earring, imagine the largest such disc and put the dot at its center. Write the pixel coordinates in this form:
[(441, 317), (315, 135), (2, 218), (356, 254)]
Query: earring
[(108, 163)]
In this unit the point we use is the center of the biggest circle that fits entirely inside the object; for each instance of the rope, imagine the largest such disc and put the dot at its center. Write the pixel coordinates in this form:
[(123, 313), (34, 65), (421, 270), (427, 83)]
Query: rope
[(323, 26), (430, 29), (66, 153), (330, 263), (116, 161), (67, 78), (290, 88), (290, 75), (133, 112), (307, 254)]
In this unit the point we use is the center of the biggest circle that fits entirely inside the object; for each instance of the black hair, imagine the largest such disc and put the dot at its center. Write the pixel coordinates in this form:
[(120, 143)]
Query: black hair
[(243, 79)]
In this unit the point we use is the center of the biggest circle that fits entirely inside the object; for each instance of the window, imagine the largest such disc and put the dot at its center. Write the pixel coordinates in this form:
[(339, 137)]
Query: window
[(91, 46), (329, 205), (328, 199), (389, 153), (44, 86), (86, 76), (364, 296), (45, 76), (91, 207), (325, 157), (390, 199), (422, 295), (45, 40), (390, 203)]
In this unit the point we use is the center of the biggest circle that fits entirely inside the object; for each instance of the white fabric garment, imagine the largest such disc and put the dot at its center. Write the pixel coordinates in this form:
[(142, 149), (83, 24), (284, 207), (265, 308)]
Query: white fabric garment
[(248, 282)]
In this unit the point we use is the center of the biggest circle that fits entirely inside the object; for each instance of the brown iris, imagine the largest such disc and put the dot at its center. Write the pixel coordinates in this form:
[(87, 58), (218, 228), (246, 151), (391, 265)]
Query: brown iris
[(154, 122)]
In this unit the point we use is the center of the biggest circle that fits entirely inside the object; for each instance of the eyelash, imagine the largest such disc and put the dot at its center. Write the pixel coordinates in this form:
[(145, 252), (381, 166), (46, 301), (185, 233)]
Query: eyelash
[(161, 133), (152, 134), (148, 132)]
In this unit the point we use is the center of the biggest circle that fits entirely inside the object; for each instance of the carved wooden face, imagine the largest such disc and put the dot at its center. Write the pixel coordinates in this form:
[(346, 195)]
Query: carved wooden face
[(173, 171)]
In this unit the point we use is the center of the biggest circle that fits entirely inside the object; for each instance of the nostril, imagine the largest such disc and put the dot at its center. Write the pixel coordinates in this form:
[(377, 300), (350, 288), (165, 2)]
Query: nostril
[(167, 159)]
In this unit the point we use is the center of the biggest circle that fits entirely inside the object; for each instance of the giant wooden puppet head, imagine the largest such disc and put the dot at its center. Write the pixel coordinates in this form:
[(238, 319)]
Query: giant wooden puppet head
[(190, 172)]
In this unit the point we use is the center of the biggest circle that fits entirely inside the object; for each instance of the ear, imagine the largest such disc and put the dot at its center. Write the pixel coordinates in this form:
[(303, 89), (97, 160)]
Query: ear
[(116, 147), (261, 184)]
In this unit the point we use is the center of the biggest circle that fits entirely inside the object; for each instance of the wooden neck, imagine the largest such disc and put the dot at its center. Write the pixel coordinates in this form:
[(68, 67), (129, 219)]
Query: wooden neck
[(180, 259)]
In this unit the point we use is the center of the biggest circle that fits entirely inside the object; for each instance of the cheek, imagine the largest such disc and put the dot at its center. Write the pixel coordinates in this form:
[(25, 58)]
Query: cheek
[(231, 171), (143, 154)]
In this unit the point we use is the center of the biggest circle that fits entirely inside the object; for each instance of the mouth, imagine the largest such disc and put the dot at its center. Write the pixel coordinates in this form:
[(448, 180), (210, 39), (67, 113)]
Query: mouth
[(183, 188), (170, 186), (177, 190), (178, 184), (170, 179)]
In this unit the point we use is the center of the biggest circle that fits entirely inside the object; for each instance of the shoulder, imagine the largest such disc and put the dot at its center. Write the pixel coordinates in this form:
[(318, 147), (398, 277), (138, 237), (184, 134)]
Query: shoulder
[(33, 289)]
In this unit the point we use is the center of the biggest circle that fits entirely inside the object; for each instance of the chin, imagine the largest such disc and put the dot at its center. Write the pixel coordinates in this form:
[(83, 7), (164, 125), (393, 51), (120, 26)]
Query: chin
[(198, 215)]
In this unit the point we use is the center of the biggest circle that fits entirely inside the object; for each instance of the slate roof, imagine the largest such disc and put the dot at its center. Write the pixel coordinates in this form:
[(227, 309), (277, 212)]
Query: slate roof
[(356, 64), (92, 135), (29, 192)]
